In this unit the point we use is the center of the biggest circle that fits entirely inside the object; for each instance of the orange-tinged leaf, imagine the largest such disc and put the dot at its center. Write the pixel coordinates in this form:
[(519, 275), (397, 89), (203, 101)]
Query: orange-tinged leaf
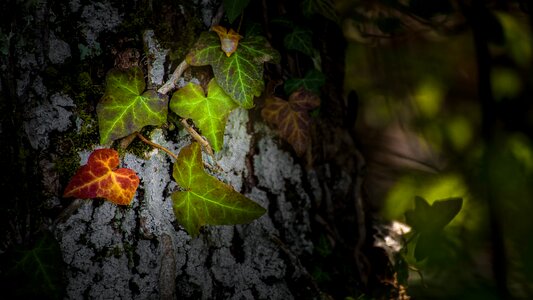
[(303, 99), (229, 39), (98, 178), (291, 118)]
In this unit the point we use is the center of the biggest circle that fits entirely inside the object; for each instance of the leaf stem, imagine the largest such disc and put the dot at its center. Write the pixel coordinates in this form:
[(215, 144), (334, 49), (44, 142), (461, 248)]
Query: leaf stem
[(147, 141), (171, 82), (240, 22), (198, 138)]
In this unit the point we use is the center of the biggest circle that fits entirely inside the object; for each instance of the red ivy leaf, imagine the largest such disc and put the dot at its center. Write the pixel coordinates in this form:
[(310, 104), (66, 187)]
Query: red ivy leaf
[(291, 118), (98, 178)]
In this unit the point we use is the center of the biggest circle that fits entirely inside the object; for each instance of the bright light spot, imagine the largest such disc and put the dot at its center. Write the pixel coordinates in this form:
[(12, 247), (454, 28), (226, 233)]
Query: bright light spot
[(505, 83), (429, 97), (400, 228), (459, 132)]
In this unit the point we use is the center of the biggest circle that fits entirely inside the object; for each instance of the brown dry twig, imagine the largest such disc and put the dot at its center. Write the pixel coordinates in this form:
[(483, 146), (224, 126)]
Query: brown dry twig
[(147, 141)]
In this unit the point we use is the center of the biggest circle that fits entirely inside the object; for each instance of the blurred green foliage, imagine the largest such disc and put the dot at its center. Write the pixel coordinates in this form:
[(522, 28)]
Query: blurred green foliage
[(425, 133)]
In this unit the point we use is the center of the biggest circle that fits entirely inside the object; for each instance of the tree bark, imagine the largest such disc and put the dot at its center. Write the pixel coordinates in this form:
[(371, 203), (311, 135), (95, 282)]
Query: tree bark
[(140, 251)]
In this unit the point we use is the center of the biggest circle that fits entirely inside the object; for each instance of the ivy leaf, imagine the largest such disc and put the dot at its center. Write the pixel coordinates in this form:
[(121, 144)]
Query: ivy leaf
[(98, 178), (312, 81), (300, 39), (291, 118), (427, 218), (229, 39), (241, 74), (234, 8), (322, 7), (426, 244), (206, 200), (34, 272), (209, 113), (428, 222), (124, 108)]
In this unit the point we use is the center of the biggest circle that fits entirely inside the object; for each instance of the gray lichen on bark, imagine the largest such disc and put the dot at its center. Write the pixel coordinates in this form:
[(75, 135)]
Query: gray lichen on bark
[(42, 119), (96, 18), (140, 251), (277, 173), (158, 57)]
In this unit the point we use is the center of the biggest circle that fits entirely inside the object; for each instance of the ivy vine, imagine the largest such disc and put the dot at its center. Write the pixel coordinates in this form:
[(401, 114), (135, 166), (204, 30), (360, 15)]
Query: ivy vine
[(238, 66)]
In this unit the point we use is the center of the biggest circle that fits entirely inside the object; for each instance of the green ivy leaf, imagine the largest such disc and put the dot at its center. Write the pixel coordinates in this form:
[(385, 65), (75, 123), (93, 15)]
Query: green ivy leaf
[(234, 8), (427, 245), (312, 81), (322, 7), (241, 74), (300, 39), (206, 200), (427, 218), (209, 113), (124, 108), (35, 272)]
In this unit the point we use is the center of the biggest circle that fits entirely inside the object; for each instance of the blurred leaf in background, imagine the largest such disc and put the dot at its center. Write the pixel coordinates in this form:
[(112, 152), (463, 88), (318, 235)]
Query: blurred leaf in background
[(33, 272)]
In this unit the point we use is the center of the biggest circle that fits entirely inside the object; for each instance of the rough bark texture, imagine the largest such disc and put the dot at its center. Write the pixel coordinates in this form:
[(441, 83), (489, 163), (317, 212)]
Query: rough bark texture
[(140, 251)]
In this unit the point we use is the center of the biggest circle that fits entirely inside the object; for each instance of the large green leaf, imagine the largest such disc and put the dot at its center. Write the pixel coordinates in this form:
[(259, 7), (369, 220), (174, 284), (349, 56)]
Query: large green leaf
[(428, 222), (241, 74), (124, 108), (209, 113), (234, 8), (206, 200)]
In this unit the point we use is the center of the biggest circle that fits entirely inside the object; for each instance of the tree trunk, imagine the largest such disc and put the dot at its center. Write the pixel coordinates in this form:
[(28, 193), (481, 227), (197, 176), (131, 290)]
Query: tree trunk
[(53, 71)]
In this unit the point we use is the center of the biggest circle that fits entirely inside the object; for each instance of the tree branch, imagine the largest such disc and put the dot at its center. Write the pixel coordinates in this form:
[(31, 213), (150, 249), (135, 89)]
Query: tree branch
[(147, 141), (171, 82), (198, 137)]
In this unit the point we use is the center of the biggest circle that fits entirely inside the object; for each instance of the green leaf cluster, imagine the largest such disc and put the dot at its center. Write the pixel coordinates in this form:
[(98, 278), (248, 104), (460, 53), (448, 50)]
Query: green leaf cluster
[(126, 108), (241, 74)]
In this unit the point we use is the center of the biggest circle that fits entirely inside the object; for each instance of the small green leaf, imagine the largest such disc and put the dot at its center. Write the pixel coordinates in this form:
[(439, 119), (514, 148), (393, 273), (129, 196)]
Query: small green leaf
[(312, 81), (300, 39), (209, 113), (124, 108), (241, 74), (206, 200), (35, 272), (234, 8), (425, 218)]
